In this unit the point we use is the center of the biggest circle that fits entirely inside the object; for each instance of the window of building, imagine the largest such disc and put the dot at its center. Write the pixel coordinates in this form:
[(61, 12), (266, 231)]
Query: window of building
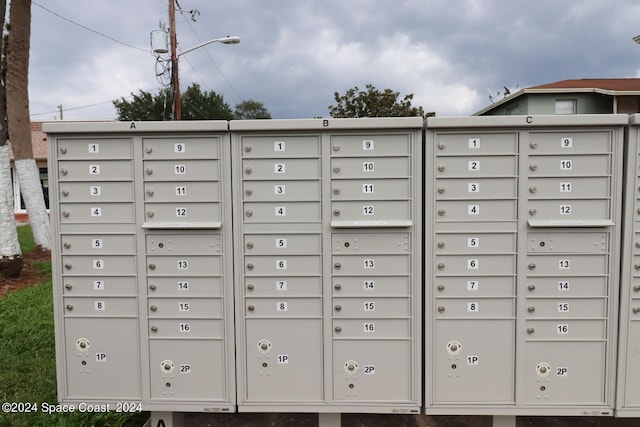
[(511, 111), (566, 106)]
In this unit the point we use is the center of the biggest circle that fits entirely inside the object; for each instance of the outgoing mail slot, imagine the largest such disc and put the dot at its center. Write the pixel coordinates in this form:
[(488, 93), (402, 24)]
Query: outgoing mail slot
[(569, 188), (579, 242), (106, 148), (281, 190), (371, 265), (476, 166), (98, 243), (282, 212), (566, 307), (481, 188), (372, 286), (186, 328), (370, 145), (283, 243), (569, 210), (283, 287), (181, 148), (184, 265), (182, 212), (475, 287), (95, 170), (283, 265), (371, 189), (96, 286), (371, 167), (181, 170), (375, 307), (371, 327), (201, 244), (100, 306), (570, 142), (182, 191), (96, 213), (98, 265), (97, 192), (570, 165), (567, 265), (566, 329), (280, 146), (382, 243), (283, 307), (185, 307), (476, 143), (567, 286), (281, 169), (185, 287), (475, 243), (476, 210), (492, 308), (470, 265)]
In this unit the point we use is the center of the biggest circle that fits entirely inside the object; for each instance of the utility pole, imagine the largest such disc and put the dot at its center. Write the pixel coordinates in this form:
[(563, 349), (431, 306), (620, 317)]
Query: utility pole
[(175, 82), (60, 108)]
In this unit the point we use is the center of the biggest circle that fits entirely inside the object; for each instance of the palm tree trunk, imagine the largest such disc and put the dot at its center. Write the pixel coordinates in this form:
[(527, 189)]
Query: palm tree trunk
[(19, 122)]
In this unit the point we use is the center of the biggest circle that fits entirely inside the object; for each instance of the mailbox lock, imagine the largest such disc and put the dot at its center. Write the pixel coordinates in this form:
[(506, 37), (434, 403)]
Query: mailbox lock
[(150, 193), (65, 214), (251, 308), (441, 212), (249, 266), (167, 366), (63, 150), (154, 329), (68, 266), (441, 145), (531, 287), (152, 287), (338, 307), (68, 286), (441, 167), (264, 346), (248, 191), (152, 266), (338, 328), (636, 288), (148, 171), (454, 347), (441, 266), (441, 190), (351, 367), (153, 308), (82, 344), (148, 149), (250, 286), (533, 211), (337, 286), (530, 330), (249, 245), (247, 148), (64, 171), (532, 266), (337, 265), (336, 212), (248, 213), (69, 307), (336, 169), (150, 214), (67, 245), (248, 170), (533, 189), (543, 369), (65, 193), (533, 144), (636, 310), (336, 147), (441, 309), (531, 309), (637, 266), (441, 244), (533, 166), (441, 288), (336, 191)]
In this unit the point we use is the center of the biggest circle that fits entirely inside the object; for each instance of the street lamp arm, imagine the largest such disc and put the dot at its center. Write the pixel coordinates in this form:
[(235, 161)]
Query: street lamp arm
[(223, 40)]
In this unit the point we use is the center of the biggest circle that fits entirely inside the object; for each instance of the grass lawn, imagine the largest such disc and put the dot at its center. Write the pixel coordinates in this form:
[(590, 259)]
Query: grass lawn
[(27, 357)]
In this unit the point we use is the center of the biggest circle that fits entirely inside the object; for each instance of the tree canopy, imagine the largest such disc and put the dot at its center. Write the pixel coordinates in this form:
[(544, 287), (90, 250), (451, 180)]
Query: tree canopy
[(373, 103)]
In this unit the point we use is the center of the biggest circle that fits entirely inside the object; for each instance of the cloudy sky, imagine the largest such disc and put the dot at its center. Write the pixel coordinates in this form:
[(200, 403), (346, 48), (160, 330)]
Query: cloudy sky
[(294, 54)]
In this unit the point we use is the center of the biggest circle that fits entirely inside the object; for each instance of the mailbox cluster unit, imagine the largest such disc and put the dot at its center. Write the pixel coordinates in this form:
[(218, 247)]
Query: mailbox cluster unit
[(476, 265)]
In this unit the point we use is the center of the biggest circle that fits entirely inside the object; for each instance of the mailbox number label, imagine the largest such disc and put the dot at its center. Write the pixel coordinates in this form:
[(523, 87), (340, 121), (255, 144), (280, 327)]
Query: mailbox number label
[(369, 306), (281, 211), (563, 285), (96, 212), (98, 264), (564, 264), (281, 306), (368, 166), (95, 190), (473, 187), (279, 190), (185, 368), (281, 285), (281, 264), (563, 328), (181, 190), (279, 168), (369, 369), (367, 144), (179, 147), (369, 263), (97, 243), (563, 307), (184, 327), (94, 148), (565, 209), (474, 142), (473, 307), (473, 285), (566, 164), (474, 165), (367, 210), (369, 285), (94, 169), (183, 306), (98, 285), (367, 189), (98, 305), (181, 212), (369, 327), (278, 146), (565, 187), (472, 264), (183, 264), (180, 169), (473, 242), (473, 209), (566, 142), (281, 243), (183, 285)]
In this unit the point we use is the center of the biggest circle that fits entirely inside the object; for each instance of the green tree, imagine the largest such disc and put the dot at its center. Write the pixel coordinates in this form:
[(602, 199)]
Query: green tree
[(251, 109), (196, 105), (373, 103)]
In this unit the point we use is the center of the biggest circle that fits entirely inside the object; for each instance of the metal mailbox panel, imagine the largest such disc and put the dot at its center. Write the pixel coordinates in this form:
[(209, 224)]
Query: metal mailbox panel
[(372, 370), (566, 307), (371, 189), (476, 143), (379, 307), (284, 360), (476, 166), (475, 243), (109, 350), (283, 242), (207, 286), (108, 265), (182, 191), (567, 286), (295, 265), (188, 369), (569, 188), (280, 146), (568, 265), (482, 264), (97, 192), (98, 243), (184, 265), (181, 170), (570, 165), (371, 264), (371, 243), (285, 306), (632, 366), (476, 210), (180, 147), (570, 209), (476, 308), (582, 242), (370, 145), (371, 167), (106, 148), (182, 212), (372, 327), (284, 286), (369, 210), (475, 286), (479, 188), (100, 286), (200, 244), (95, 170), (567, 329), (282, 212), (100, 306), (469, 362), (185, 306), (577, 373), (372, 286), (278, 169), (570, 142), (281, 190), (186, 328), (97, 213)]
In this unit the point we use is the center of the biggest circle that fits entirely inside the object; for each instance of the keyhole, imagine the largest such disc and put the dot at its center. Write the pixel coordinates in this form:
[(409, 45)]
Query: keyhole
[(347, 244), (542, 244)]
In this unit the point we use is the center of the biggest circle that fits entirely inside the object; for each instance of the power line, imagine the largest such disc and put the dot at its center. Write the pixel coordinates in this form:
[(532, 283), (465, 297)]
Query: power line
[(89, 29)]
